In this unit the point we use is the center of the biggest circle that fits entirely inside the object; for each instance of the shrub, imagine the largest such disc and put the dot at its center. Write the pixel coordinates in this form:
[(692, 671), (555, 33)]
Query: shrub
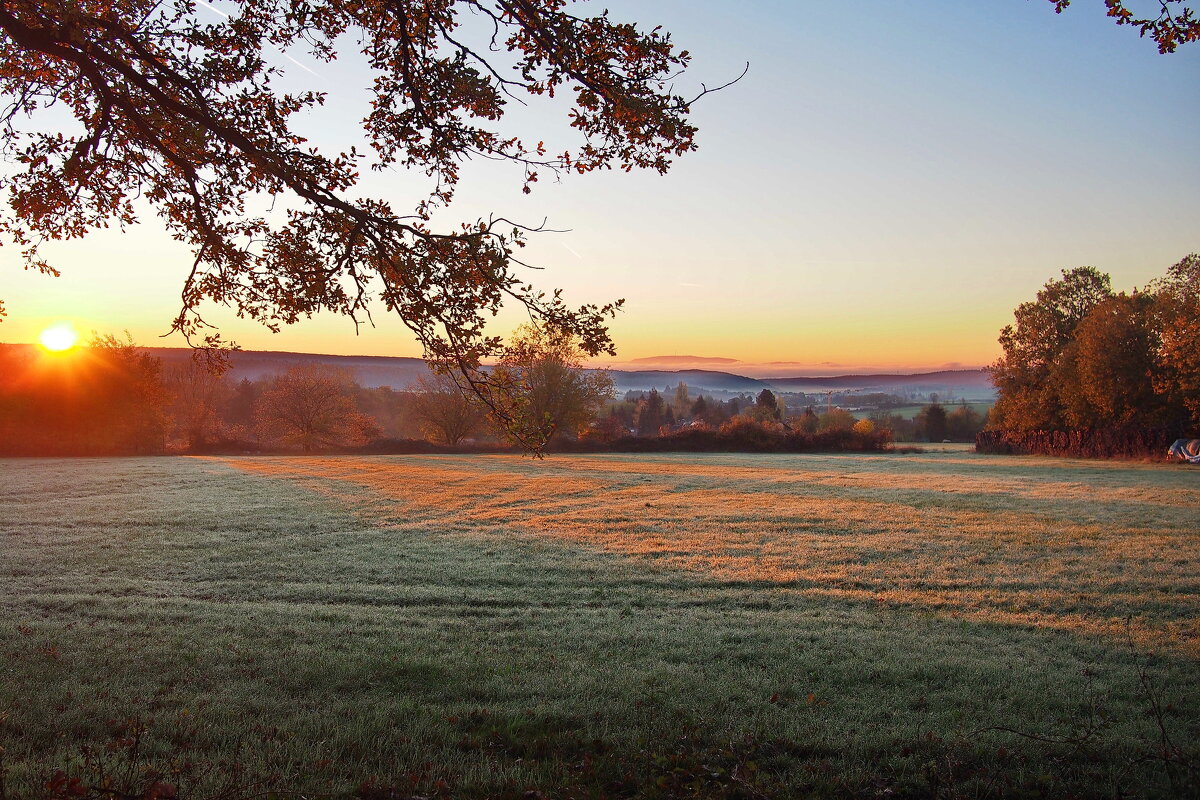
[(1121, 443)]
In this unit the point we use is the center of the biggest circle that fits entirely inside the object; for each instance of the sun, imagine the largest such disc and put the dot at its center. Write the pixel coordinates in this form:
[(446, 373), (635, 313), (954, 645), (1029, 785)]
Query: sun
[(58, 337)]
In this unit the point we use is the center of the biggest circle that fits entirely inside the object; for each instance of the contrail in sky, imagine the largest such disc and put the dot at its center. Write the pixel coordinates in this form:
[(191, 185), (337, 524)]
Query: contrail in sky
[(221, 13)]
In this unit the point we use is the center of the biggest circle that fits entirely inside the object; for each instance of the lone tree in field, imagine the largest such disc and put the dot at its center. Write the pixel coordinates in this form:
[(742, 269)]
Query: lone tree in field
[(311, 407), (542, 368), (932, 422), (446, 412)]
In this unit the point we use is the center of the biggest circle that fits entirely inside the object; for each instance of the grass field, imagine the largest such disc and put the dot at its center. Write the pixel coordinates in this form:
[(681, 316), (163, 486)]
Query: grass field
[(910, 412), (939, 624)]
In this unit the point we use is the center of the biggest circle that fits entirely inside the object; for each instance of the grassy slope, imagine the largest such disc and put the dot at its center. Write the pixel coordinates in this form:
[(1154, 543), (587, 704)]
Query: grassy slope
[(624, 623)]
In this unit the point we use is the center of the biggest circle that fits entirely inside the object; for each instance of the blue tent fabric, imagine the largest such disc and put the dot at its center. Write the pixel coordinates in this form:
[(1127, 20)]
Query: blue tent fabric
[(1186, 449)]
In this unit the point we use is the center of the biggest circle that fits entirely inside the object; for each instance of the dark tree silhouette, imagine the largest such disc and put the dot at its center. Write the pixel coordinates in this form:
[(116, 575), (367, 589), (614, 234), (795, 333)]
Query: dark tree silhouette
[(963, 423), (650, 414), (767, 408), (932, 422)]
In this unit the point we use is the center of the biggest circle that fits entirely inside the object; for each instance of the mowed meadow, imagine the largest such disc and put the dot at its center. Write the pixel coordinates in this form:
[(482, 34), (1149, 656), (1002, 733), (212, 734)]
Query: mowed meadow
[(719, 625)]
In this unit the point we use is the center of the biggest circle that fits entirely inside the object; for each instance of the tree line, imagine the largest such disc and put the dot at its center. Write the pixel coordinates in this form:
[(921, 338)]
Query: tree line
[(111, 398), (1111, 367), (654, 413)]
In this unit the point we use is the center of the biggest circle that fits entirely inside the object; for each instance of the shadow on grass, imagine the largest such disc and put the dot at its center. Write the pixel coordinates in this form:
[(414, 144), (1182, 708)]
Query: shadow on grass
[(294, 650)]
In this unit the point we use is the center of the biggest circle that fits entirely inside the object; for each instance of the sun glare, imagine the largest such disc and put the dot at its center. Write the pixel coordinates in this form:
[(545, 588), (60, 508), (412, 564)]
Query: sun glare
[(59, 337)]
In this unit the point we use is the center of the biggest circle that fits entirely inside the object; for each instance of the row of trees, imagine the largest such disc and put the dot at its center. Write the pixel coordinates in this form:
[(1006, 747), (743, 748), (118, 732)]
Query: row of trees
[(111, 398), (934, 423), (648, 413), (653, 413), (1081, 357), (107, 398)]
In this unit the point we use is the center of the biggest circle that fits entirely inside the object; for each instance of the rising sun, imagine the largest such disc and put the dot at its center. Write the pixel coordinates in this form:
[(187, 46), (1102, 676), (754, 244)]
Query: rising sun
[(58, 337)]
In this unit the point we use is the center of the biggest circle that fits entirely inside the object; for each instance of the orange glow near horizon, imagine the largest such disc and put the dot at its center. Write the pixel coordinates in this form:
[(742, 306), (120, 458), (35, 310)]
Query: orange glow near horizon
[(58, 337)]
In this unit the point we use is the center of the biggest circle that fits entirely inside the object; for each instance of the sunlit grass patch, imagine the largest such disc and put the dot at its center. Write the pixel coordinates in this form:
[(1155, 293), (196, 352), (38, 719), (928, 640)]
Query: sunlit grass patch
[(1054, 551)]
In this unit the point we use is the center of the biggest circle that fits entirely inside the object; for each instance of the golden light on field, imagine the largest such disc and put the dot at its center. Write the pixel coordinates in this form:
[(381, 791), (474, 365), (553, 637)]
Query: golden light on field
[(956, 538), (59, 337)]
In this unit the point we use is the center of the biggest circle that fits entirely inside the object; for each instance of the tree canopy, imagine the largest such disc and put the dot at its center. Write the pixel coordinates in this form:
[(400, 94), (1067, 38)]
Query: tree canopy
[(446, 412), (541, 373), (1045, 326), (173, 103), (1081, 357), (312, 406)]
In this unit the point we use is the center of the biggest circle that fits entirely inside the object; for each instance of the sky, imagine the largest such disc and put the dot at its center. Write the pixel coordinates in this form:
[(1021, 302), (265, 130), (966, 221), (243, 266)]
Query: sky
[(880, 191)]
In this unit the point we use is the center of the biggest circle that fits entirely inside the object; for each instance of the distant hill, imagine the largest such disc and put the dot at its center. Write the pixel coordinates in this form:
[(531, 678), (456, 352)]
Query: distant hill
[(696, 379), (371, 371), (401, 373), (959, 382)]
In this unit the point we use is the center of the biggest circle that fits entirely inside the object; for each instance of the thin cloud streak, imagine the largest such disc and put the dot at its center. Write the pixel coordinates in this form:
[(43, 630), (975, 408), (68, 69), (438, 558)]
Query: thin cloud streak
[(223, 15)]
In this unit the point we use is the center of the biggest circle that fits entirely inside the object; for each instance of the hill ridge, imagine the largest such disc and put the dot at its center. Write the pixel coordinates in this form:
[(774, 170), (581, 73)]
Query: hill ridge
[(402, 372)]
